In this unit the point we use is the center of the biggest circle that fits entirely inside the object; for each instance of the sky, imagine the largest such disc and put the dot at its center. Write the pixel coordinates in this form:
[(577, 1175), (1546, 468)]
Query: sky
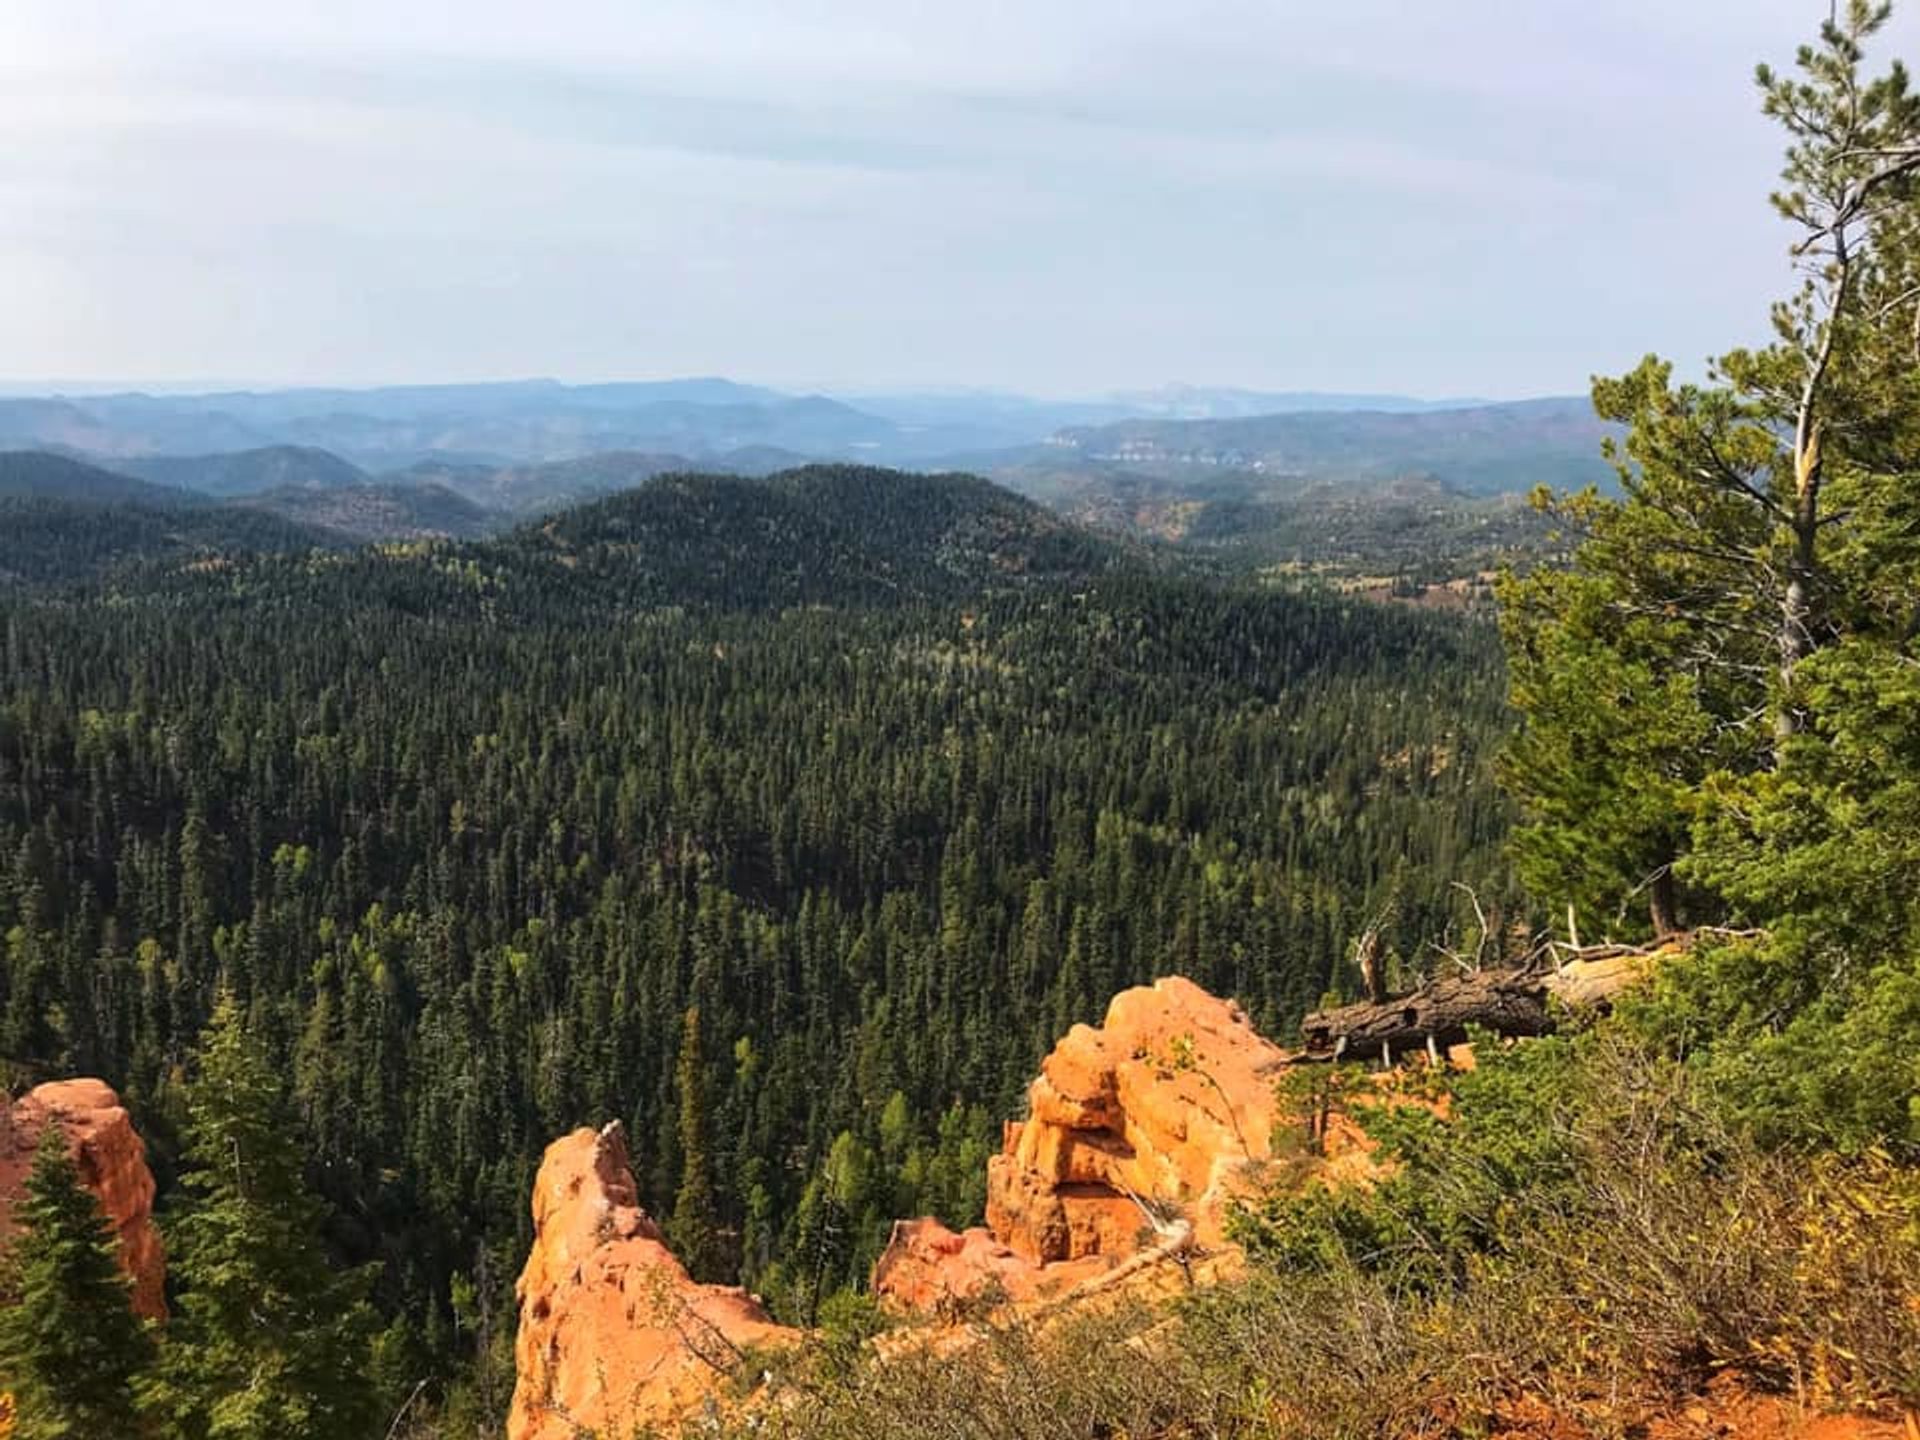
[(1065, 197)]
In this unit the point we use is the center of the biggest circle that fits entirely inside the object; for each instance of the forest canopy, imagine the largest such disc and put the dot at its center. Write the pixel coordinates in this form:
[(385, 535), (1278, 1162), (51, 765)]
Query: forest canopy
[(789, 826)]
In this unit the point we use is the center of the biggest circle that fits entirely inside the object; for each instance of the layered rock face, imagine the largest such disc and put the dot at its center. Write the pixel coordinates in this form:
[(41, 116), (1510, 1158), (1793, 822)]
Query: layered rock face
[(1139, 1133), (928, 1269), (112, 1161), (614, 1335), (1167, 1105)]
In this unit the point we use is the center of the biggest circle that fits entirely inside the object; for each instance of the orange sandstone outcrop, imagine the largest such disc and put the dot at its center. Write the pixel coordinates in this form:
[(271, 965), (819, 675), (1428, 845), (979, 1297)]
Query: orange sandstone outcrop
[(1169, 1105), (928, 1269), (1140, 1134), (112, 1160), (614, 1335)]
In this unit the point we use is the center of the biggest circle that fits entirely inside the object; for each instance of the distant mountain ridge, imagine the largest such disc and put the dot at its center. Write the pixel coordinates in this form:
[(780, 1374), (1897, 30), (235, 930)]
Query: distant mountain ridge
[(1483, 449), (539, 488), (1248, 477), (817, 535), (705, 421), (245, 472), (62, 520), (391, 428), (42, 475), (1201, 402)]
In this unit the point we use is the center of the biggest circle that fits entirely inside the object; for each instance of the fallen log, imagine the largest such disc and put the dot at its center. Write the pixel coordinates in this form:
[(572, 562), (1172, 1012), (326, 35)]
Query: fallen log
[(1506, 1002)]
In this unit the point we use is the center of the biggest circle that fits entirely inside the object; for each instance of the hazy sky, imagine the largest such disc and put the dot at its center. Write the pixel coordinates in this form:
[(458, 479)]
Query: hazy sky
[(1494, 197)]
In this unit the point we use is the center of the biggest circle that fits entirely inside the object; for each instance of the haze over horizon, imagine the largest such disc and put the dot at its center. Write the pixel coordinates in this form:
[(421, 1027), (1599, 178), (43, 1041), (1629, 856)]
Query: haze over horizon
[(1061, 200), (189, 387)]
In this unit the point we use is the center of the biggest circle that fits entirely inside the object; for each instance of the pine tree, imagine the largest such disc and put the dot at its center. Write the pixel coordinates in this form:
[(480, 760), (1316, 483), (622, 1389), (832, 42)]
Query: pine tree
[(1754, 528), (1721, 687), (71, 1347), (694, 1230), (269, 1341)]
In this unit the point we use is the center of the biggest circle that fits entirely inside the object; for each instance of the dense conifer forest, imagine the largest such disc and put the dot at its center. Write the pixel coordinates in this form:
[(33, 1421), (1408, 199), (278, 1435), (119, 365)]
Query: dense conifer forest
[(841, 795), (789, 822)]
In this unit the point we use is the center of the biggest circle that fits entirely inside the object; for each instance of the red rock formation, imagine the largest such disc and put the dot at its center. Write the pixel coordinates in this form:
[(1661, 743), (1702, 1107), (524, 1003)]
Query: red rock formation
[(614, 1335), (1139, 1133), (927, 1269), (1169, 1104), (1139, 1136), (112, 1161)]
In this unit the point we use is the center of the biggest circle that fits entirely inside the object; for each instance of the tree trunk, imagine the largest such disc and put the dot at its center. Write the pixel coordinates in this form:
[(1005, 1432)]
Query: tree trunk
[(1507, 1002), (1796, 606), (1662, 908)]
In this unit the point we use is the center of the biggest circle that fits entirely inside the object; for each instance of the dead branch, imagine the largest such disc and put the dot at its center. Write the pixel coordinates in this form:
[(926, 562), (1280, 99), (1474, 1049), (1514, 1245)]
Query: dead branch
[(1513, 1002)]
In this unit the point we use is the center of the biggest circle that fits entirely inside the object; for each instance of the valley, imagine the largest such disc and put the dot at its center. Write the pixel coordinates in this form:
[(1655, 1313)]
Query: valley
[(758, 890), (884, 779), (1397, 499)]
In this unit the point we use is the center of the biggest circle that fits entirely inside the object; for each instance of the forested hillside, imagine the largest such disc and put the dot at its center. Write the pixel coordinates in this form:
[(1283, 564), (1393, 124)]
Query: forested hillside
[(61, 520), (49, 542), (1698, 1214), (40, 475), (1645, 1224), (821, 535), (469, 830), (760, 852), (363, 512), (539, 489)]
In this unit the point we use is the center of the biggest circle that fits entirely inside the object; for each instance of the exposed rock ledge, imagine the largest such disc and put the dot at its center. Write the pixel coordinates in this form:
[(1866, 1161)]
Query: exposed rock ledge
[(614, 1335), (1166, 1105), (112, 1161), (1139, 1136), (1139, 1133)]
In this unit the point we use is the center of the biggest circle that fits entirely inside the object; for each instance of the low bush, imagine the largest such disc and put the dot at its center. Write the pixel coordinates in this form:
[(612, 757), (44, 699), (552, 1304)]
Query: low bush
[(1580, 1228)]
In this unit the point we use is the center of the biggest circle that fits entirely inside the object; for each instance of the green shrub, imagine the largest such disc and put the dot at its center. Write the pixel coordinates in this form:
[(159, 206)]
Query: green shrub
[(1455, 1184)]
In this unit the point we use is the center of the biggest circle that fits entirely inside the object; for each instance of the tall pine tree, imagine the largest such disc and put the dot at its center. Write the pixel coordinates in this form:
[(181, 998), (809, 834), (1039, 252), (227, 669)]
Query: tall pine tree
[(1757, 519), (270, 1341), (71, 1347), (1719, 703), (695, 1230)]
